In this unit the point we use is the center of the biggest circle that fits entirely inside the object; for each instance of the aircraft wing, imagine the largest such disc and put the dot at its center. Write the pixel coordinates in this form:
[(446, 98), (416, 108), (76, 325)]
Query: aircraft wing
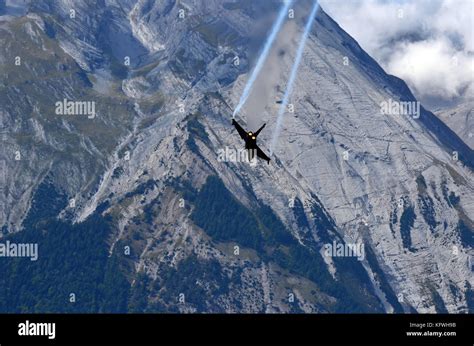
[(262, 155), (240, 130)]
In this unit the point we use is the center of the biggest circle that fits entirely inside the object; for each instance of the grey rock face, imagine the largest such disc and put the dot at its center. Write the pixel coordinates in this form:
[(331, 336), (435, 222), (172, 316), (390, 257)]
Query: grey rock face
[(461, 120), (342, 170)]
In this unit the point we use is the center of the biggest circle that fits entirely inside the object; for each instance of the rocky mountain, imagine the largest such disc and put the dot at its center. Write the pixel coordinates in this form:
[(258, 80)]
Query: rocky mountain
[(460, 119), (133, 209)]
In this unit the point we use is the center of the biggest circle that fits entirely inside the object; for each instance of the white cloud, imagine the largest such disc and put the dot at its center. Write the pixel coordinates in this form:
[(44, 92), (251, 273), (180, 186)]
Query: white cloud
[(428, 43), (433, 67)]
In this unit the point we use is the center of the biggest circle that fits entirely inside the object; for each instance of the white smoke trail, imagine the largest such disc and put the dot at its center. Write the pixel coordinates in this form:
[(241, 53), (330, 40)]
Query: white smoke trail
[(275, 29), (291, 80)]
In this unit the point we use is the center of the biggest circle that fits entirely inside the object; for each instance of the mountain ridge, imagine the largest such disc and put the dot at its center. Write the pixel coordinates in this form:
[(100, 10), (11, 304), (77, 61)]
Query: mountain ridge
[(348, 201)]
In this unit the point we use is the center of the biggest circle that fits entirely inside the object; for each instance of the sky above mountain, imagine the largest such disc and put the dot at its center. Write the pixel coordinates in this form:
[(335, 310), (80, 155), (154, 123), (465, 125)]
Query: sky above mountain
[(427, 43)]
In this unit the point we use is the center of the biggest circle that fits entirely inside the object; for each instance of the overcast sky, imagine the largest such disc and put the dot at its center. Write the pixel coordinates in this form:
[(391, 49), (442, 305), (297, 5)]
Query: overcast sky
[(427, 43)]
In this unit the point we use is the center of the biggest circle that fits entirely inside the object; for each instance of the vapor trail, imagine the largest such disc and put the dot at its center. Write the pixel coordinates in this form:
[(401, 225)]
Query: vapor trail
[(294, 70), (266, 49)]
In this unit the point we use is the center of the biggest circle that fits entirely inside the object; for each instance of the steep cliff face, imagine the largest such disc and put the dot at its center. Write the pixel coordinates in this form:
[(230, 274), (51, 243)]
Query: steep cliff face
[(460, 119), (187, 232)]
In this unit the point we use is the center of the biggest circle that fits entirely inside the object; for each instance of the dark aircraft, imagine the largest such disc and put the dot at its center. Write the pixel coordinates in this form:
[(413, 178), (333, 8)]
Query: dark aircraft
[(250, 139)]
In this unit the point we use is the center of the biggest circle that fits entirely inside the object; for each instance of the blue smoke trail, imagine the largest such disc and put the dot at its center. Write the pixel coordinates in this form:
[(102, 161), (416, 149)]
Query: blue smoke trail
[(266, 49), (294, 70)]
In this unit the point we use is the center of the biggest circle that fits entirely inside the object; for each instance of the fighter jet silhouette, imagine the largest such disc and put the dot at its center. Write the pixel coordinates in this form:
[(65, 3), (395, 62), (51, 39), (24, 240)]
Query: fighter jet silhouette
[(250, 139)]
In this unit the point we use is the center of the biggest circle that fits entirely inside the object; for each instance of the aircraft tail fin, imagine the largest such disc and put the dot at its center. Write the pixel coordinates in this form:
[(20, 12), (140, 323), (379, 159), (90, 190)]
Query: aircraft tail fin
[(260, 129)]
